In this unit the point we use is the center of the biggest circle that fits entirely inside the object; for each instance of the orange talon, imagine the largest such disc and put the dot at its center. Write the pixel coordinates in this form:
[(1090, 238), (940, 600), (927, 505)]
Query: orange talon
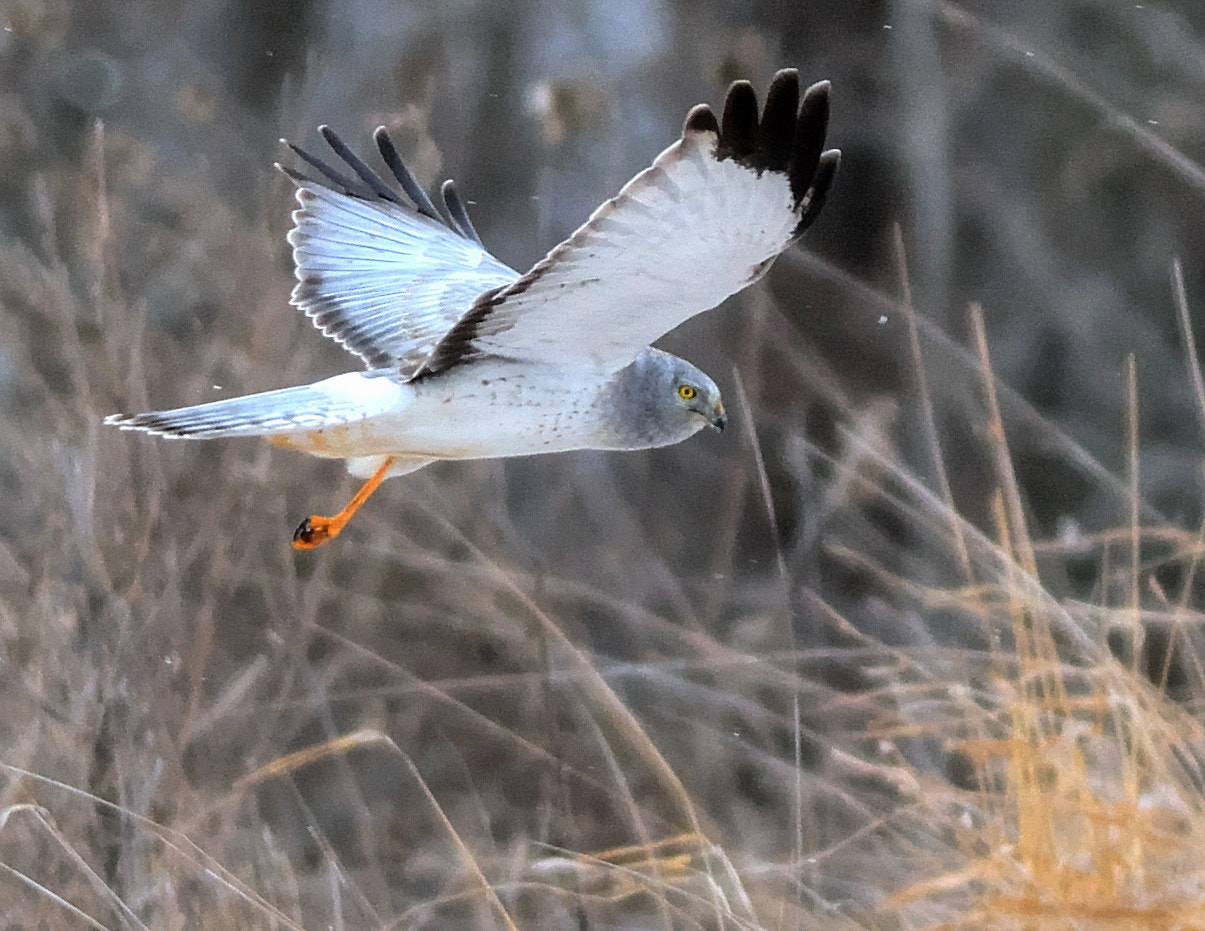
[(316, 529)]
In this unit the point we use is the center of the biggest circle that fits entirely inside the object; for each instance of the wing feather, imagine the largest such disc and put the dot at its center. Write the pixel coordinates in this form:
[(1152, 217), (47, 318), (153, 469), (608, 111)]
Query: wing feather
[(377, 270), (704, 221)]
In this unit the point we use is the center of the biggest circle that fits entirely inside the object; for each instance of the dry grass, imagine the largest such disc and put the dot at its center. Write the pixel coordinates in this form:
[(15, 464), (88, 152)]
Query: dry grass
[(836, 672)]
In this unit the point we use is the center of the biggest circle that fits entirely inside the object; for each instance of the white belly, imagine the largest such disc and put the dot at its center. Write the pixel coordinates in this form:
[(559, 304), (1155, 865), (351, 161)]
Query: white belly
[(474, 412)]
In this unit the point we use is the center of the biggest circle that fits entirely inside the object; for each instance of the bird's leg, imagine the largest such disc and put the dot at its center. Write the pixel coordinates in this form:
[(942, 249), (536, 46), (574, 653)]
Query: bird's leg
[(316, 529)]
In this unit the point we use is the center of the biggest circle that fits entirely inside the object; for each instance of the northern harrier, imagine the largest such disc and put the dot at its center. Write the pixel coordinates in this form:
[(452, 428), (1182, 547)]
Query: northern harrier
[(467, 359)]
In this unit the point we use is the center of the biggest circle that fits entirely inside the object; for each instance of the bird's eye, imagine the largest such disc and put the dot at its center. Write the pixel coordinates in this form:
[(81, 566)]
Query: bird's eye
[(687, 392)]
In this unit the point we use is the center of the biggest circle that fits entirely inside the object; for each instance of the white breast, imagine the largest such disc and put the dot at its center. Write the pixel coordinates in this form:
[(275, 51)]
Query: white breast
[(475, 411), (499, 409)]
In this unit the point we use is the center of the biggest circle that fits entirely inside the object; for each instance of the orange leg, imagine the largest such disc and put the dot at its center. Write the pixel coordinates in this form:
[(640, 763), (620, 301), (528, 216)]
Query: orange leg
[(316, 529)]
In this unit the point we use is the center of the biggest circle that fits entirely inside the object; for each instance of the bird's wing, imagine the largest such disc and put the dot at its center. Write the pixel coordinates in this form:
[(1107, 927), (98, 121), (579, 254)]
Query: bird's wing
[(707, 219), (378, 269)]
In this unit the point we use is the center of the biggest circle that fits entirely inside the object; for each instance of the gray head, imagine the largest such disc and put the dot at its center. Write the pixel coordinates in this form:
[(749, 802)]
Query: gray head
[(660, 400)]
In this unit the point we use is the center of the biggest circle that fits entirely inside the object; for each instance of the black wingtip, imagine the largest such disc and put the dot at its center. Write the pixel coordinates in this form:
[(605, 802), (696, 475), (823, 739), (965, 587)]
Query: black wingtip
[(353, 161), (810, 131), (367, 184), (776, 136), (738, 125), (291, 173), (701, 119), (813, 114), (457, 212), (826, 170), (788, 136), (343, 182), (402, 174)]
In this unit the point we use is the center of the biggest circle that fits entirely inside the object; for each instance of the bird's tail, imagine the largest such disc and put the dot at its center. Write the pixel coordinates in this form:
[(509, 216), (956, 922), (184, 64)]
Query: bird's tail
[(339, 400)]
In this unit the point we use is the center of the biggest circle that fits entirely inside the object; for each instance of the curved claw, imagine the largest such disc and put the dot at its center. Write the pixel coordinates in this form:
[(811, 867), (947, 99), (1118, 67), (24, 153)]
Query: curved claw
[(314, 531)]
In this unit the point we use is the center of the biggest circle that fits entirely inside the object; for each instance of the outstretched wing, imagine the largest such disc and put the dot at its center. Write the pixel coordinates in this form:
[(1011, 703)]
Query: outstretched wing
[(378, 270), (707, 219)]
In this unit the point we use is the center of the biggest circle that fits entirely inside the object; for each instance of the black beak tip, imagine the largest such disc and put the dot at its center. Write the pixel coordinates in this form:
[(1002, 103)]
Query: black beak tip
[(720, 422)]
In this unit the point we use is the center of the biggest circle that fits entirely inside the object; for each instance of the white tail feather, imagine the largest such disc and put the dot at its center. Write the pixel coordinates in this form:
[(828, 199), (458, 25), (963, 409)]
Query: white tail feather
[(339, 400)]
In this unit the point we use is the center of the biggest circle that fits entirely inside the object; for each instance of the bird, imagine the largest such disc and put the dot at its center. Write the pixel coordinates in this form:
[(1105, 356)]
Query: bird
[(466, 358)]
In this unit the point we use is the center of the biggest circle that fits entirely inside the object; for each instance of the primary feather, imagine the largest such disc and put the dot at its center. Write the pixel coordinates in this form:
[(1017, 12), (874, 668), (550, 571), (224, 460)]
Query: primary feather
[(380, 272), (703, 222), (377, 271)]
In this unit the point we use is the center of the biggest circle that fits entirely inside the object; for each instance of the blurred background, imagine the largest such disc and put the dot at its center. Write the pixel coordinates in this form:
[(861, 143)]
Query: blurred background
[(855, 663)]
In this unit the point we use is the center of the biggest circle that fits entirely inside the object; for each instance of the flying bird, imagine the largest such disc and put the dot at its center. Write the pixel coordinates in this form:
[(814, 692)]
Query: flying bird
[(465, 358)]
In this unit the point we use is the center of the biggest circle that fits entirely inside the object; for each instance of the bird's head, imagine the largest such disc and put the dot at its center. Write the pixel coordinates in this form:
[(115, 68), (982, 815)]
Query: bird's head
[(672, 399), (697, 395)]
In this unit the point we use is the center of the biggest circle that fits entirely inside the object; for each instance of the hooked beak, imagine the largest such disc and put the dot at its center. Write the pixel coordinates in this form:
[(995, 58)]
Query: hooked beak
[(719, 419)]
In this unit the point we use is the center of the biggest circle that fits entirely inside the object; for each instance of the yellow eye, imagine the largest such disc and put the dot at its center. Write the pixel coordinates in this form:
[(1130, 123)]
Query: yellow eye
[(687, 392)]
